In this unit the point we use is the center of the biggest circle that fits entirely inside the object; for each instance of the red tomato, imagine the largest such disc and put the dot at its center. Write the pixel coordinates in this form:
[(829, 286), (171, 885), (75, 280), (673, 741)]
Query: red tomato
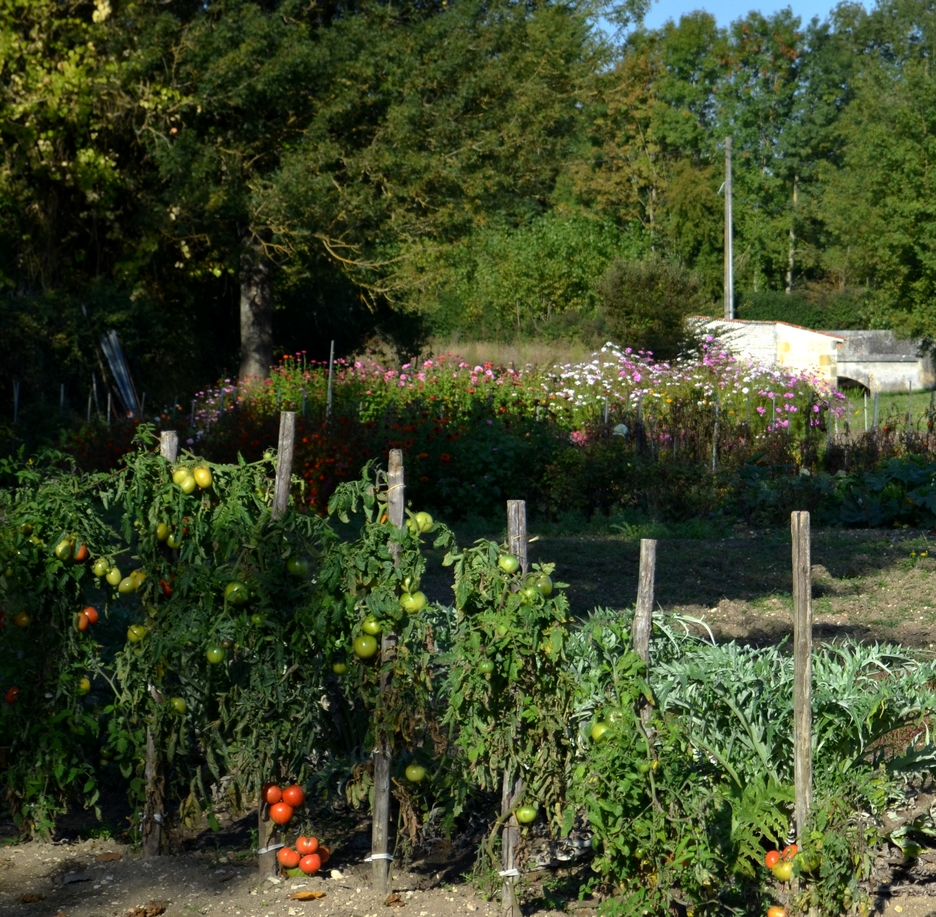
[(281, 813), (81, 621), (91, 614), (789, 852), (12, 694), (288, 857), (771, 859), (166, 588), (776, 911), (294, 795), (310, 864), (271, 794), (324, 854), (307, 845)]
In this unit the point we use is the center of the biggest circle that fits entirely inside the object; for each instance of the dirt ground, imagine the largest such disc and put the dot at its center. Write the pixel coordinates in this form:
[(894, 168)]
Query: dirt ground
[(867, 586)]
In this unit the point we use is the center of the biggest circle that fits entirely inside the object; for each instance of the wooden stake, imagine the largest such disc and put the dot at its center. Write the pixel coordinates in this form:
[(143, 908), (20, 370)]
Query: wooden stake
[(802, 669), (643, 616), (512, 787), (380, 828), (154, 792), (284, 460)]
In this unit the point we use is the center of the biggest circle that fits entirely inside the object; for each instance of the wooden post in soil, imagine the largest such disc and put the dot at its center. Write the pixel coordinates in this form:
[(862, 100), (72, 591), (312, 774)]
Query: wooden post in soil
[(284, 460), (267, 844), (380, 856), (512, 787), (802, 670), (643, 614), (154, 785)]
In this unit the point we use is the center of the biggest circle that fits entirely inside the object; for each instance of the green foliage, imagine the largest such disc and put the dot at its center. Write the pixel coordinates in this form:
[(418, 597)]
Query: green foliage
[(824, 310), (646, 304)]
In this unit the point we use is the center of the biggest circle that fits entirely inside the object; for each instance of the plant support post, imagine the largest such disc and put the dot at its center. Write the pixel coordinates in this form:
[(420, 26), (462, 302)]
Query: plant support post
[(512, 787), (380, 830), (802, 669), (284, 460)]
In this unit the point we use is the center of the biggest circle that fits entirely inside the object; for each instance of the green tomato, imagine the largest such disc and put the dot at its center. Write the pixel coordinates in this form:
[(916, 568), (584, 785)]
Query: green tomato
[(598, 731), (411, 584), (100, 568), (64, 549), (297, 566), (136, 632), (127, 585), (423, 522), (257, 619), (486, 666), (113, 576), (783, 871), (413, 602), (526, 814), (162, 531), (508, 563), (188, 485), (339, 667), (215, 655), (543, 583), (174, 541), (179, 705), (371, 626), (365, 646), (180, 474), (236, 592), (415, 773)]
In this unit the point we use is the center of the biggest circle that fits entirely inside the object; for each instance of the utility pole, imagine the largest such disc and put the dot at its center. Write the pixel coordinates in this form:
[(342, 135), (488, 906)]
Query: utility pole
[(729, 255)]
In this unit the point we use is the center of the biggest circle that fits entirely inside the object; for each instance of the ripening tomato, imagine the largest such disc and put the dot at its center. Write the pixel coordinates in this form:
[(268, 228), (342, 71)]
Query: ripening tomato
[(81, 553), (280, 813), (23, 619), (310, 864), (84, 685), (288, 857), (294, 795), (91, 613), (271, 794), (775, 911), (202, 476), (789, 852), (166, 588), (307, 845), (81, 621), (12, 694), (324, 854), (783, 871), (771, 859)]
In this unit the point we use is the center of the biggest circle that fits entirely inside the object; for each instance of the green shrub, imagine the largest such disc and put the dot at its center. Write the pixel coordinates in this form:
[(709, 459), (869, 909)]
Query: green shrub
[(646, 303)]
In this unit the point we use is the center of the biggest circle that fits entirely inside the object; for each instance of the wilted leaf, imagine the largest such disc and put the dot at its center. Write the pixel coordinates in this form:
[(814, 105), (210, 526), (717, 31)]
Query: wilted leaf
[(30, 898), (394, 900), (306, 896)]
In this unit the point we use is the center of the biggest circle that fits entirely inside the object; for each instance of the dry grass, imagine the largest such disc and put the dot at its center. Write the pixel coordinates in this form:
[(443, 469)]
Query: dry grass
[(523, 353)]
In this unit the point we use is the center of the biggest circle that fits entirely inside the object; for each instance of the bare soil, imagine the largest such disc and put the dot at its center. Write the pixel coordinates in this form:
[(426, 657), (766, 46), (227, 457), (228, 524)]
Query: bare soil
[(867, 586)]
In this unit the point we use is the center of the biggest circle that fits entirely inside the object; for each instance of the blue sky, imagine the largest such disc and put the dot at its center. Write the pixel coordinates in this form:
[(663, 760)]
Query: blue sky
[(726, 11)]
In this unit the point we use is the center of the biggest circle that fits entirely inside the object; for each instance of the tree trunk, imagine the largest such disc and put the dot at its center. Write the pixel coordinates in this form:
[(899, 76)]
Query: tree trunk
[(256, 311)]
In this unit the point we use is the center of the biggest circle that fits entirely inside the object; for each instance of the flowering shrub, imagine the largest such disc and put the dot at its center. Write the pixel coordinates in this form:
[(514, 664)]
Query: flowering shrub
[(698, 435)]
